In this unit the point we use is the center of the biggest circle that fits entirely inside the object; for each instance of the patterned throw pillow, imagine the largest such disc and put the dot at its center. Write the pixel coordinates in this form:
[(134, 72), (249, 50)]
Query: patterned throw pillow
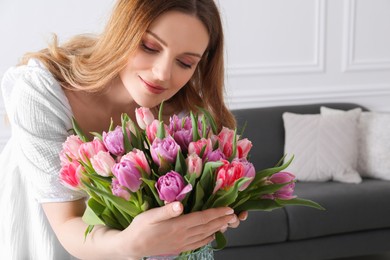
[(373, 143), (325, 147)]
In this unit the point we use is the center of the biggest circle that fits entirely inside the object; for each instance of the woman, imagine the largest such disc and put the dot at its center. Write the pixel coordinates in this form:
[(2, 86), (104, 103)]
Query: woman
[(150, 51)]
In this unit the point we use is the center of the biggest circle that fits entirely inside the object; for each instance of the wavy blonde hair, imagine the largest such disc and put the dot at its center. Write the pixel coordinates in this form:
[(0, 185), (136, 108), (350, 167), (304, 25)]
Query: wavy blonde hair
[(89, 63)]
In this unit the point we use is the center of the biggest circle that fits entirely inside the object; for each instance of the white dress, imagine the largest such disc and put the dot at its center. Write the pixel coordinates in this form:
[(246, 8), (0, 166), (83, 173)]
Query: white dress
[(40, 118)]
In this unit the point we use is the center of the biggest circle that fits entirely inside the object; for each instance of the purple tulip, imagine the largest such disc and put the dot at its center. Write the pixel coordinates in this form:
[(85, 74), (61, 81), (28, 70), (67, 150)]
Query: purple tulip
[(286, 192), (119, 190), (128, 175), (249, 172), (171, 187), (113, 141), (164, 150), (181, 130), (215, 156)]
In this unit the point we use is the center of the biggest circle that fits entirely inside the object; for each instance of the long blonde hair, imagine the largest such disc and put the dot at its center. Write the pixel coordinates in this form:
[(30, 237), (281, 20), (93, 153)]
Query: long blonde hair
[(89, 63)]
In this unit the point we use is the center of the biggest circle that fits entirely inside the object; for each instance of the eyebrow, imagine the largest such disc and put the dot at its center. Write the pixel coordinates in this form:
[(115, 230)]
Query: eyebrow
[(165, 44)]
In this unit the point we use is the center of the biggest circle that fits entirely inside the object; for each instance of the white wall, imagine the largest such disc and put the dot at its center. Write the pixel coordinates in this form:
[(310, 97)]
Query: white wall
[(28, 26), (278, 51), (306, 51)]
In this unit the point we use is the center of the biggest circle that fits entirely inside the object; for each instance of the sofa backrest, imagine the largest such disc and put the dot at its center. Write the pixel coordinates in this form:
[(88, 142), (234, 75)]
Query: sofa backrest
[(264, 127)]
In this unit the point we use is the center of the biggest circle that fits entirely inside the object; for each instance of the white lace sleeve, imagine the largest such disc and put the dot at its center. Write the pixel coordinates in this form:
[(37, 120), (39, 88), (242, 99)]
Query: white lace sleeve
[(40, 118)]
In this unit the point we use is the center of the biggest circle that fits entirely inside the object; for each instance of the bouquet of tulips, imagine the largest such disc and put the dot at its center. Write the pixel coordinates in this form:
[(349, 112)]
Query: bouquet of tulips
[(134, 167)]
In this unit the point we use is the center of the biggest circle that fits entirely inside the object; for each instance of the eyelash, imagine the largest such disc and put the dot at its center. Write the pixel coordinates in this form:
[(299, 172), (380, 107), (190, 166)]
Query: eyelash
[(152, 51)]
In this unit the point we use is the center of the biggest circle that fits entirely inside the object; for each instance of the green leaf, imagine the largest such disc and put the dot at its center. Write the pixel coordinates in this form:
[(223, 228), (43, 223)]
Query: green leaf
[(92, 213), (160, 111), (87, 231), (266, 189), (300, 202), (220, 241), (117, 201), (99, 136), (126, 140), (262, 205), (161, 130), (110, 220), (111, 127), (195, 133), (210, 119), (180, 165), (230, 195), (199, 195), (207, 176), (151, 185), (260, 175), (78, 130), (204, 127)]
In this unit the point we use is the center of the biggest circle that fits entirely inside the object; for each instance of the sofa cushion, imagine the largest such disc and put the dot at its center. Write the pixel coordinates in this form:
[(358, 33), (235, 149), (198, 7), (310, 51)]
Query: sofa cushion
[(324, 146), (264, 127), (261, 227), (349, 208), (373, 143)]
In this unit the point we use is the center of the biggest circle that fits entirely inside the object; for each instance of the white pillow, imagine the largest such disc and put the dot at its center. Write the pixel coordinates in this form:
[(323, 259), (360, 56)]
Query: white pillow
[(373, 143), (324, 146)]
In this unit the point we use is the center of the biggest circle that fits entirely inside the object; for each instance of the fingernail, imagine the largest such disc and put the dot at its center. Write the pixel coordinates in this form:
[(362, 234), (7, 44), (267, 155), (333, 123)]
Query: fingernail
[(229, 212), (233, 219), (176, 207)]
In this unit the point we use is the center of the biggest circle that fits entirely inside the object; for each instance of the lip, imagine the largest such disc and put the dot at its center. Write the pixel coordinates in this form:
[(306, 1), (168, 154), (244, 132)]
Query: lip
[(155, 89)]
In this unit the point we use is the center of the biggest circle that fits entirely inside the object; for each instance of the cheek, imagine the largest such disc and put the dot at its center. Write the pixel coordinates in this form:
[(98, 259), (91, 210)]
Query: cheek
[(180, 78)]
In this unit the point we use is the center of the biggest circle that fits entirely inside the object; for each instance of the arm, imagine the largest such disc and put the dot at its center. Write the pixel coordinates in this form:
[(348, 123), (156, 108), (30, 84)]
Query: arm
[(157, 231)]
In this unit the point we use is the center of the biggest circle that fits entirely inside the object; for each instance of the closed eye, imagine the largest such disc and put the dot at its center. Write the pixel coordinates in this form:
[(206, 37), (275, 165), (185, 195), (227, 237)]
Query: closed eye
[(148, 49), (184, 65)]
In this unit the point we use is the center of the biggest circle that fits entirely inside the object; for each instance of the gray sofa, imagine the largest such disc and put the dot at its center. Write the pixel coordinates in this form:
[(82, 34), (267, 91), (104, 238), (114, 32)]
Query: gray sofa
[(357, 216)]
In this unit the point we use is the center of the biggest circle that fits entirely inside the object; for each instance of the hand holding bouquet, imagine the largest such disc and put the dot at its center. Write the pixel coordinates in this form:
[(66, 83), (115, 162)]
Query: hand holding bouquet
[(135, 167)]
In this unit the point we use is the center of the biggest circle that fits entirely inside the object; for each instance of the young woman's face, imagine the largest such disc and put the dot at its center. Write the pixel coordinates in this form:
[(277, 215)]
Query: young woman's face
[(166, 59)]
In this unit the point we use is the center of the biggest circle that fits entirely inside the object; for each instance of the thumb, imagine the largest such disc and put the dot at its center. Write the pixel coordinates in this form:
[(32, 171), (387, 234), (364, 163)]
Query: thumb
[(166, 212)]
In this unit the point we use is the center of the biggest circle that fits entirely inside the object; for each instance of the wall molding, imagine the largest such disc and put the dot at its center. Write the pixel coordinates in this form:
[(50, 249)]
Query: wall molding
[(350, 63), (290, 95), (317, 65)]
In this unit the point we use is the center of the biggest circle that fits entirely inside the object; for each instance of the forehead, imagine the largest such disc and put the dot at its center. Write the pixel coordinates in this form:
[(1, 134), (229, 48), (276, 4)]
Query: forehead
[(181, 31)]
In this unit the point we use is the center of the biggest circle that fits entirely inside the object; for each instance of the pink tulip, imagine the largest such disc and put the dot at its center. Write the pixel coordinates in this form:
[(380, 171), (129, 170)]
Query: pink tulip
[(70, 175), (171, 187), (243, 148), (70, 149), (199, 146), (225, 138), (194, 164), (89, 149), (102, 163), (229, 173), (151, 130), (138, 158), (144, 117)]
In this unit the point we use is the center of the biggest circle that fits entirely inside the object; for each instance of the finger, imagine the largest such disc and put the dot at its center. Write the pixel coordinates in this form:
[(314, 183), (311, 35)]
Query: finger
[(206, 216), (166, 212), (204, 230), (243, 215), (234, 222), (199, 243)]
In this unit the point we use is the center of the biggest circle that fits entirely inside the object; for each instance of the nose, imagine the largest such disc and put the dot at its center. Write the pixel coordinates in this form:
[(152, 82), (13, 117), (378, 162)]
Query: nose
[(162, 69)]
